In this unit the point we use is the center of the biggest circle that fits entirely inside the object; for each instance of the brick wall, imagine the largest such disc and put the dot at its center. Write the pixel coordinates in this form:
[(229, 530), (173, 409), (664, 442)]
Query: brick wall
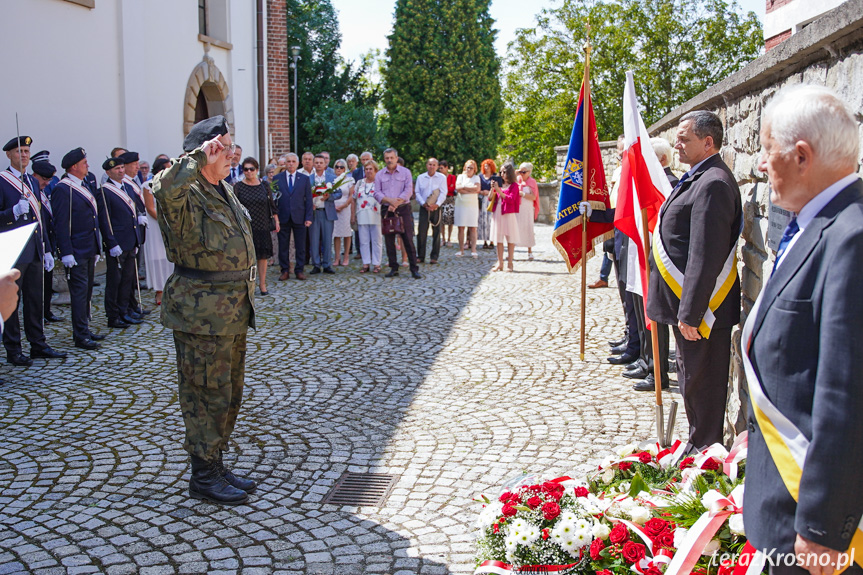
[(771, 43), (776, 4), (278, 79)]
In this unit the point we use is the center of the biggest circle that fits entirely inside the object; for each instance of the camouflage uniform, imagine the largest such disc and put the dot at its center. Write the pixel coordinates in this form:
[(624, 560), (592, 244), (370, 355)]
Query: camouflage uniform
[(204, 232)]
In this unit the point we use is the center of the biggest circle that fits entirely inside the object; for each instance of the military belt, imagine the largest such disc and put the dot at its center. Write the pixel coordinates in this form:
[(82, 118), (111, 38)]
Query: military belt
[(250, 274)]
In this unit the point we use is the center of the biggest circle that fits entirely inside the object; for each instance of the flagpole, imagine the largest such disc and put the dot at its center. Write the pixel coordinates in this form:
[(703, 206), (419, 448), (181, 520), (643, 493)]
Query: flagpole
[(585, 185)]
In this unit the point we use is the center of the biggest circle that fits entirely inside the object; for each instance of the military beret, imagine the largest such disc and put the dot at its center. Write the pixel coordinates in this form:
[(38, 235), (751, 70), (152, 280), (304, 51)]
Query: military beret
[(204, 131), (13, 143), (129, 157), (160, 165), (72, 158), (40, 156), (44, 169), (111, 163)]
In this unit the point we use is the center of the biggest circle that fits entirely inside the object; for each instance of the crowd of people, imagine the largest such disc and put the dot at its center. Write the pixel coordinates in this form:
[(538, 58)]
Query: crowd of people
[(300, 206)]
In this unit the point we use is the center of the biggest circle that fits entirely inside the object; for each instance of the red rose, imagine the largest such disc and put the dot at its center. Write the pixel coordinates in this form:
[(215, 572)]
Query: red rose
[(604, 572), (504, 497), (534, 502), (509, 510), (634, 552), (687, 461), (619, 533), (595, 547), (550, 510), (496, 528), (581, 492), (655, 526), (545, 534), (624, 465), (653, 570), (666, 539), (711, 464), (645, 457)]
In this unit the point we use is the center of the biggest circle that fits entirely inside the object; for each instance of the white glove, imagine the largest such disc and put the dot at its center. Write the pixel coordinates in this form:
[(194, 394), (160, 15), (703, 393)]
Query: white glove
[(99, 258), (585, 207), (135, 252), (21, 208), (142, 220), (115, 251), (69, 261), (49, 262)]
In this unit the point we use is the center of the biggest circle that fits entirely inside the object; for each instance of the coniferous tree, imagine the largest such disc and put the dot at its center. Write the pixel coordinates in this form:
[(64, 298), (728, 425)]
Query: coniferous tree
[(442, 82)]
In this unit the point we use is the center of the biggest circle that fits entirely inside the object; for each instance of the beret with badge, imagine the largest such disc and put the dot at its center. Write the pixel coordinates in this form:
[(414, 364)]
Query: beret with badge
[(129, 157), (72, 157), (13, 143), (112, 163), (204, 131)]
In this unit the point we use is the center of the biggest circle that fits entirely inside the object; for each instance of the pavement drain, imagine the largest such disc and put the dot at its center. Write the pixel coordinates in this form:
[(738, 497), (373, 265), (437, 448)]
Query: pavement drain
[(361, 489)]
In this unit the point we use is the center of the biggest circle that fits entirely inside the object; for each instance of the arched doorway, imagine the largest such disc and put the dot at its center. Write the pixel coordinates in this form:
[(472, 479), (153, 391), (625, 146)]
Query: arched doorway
[(207, 95)]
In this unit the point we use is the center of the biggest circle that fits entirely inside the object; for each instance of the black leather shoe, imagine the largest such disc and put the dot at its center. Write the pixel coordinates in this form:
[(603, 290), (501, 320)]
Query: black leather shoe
[(637, 373), (246, 485), (117, 323), (329, 270), (19, 359), (97, 337), (131, 320), (145, 312), (208, 484), (633, 365), (315, 270), (134, 315), (53, 318), (622, 359), (48, 353), (392, 274), (87, 344), (619, 349), (617, 342), (648, 384), (416, 275), (672, 366)]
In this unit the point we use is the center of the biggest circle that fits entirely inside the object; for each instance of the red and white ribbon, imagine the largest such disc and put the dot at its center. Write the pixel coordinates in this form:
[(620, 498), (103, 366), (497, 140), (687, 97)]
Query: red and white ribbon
[(501, 568)]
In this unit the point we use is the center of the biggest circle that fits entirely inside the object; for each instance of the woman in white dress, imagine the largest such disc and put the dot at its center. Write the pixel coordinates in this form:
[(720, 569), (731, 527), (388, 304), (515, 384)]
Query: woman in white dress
[(529, 193), (367, 213), (342, 226), (467, 207), (158, 266)]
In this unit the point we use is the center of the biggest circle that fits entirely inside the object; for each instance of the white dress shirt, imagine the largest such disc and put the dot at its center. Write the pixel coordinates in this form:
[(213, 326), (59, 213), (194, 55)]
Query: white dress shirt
[(427, 184)]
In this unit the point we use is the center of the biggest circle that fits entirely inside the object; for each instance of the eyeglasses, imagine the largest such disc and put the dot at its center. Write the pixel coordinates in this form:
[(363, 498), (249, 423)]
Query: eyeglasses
[(249, 169), (341, 168), (522, 171), (231, 150)]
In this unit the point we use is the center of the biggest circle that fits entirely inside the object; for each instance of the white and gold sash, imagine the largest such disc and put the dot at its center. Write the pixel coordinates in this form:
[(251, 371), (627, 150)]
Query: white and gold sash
[(786, 443), (674, 278), (112, 187), (25, 191), (135, 186), (83, 192)]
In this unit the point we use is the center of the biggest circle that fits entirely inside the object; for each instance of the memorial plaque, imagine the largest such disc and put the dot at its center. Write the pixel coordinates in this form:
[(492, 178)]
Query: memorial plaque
[(777, 221)]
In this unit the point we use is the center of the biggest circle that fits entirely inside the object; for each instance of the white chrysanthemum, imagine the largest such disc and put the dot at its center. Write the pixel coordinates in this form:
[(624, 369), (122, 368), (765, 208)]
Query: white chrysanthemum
[(532, 532), (601, 504), (527, 535), (582, 524), (568, 516), (735, 524), (518, 524), (570, 546), (582, 537), (601, 530), (679, 535), (640, 514), (510, 543), (566, 529), (489, 514)]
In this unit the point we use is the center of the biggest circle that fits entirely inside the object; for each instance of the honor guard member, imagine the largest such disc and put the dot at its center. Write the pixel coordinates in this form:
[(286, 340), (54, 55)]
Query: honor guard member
[(76, 219), (130, 160), (121, 240), (43, 175), (207, 301), (20, 206)]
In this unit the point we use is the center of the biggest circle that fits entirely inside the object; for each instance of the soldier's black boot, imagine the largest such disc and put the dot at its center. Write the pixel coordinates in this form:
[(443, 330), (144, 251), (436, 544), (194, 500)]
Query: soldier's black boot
[(208, 484), (246, 485)]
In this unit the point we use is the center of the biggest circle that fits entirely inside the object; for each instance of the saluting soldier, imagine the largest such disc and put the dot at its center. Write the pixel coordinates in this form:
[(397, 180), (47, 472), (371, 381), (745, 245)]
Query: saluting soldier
[(122, 242), (76, 219), (43, 175), (130, 166), (19, 206), (207, 301)]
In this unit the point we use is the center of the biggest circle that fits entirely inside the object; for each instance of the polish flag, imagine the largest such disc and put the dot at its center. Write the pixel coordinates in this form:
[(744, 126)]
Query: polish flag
[(643, 183)]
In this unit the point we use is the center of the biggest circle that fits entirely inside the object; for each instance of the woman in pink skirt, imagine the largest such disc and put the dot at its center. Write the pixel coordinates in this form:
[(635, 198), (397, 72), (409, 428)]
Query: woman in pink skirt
[(529, 208), (504, 219)]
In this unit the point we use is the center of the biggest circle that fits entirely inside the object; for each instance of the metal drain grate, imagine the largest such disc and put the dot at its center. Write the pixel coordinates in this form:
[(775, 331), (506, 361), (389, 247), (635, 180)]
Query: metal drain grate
[(361, 489)]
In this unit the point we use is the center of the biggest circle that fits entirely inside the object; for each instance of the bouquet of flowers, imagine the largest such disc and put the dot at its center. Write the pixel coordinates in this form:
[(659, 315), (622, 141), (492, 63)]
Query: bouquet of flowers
[(325, 188)]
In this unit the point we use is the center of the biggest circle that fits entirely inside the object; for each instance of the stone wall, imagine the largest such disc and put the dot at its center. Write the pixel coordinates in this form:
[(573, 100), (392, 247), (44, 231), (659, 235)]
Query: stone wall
[(549, 192), (828, 52)]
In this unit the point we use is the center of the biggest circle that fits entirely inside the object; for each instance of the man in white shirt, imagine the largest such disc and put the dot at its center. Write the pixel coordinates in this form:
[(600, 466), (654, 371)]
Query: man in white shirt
[(430, 190), (308, 161), (236, 168)]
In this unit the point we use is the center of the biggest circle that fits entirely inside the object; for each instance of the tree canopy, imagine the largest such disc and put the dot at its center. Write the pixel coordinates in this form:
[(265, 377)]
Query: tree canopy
[(442, 81), (675, 49)]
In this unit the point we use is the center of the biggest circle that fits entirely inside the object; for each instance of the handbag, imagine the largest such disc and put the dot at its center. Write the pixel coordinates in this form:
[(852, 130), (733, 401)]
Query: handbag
[(392, 224), (433, 196)]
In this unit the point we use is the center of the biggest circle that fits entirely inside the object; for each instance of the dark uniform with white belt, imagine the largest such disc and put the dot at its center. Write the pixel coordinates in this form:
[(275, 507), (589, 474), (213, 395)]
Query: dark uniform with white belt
[(207, 301)]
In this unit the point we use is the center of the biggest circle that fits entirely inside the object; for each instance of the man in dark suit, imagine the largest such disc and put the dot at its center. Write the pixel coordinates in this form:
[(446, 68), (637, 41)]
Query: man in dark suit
[(20, 206), (131, 164), (295, 215), (43, 175), (122, 242), (76, 217), (360, 172), (696, 239), (802, 344)]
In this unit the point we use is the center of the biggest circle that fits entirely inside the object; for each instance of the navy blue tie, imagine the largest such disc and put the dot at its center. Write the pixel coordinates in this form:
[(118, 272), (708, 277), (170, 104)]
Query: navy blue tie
[(790, 231), (290, 183)]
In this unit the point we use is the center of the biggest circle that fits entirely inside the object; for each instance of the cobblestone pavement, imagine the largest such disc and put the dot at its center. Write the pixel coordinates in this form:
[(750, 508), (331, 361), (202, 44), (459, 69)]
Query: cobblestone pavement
[(453, 383)]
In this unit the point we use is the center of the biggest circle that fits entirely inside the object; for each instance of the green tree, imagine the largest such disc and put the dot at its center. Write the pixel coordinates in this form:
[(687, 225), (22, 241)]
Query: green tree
[(442, 81), (675, 48), (325, 80)]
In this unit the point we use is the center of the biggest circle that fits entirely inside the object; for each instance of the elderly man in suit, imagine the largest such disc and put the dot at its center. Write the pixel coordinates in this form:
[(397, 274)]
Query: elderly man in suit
[(693, 278), (802, 344), (295, 215), (324, 217)]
